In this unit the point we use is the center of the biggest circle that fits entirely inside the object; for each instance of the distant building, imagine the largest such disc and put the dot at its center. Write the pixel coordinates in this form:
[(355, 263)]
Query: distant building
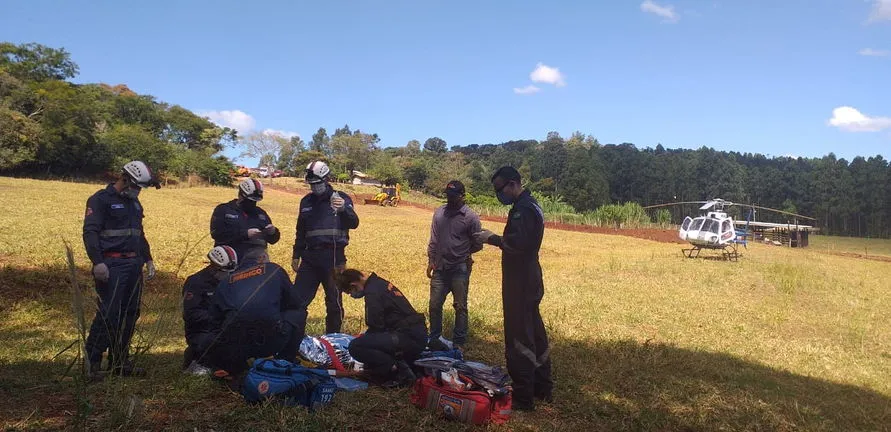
[(360, 178)]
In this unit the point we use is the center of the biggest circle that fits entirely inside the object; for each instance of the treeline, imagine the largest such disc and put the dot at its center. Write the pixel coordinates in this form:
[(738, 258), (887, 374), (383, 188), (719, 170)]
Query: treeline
[(50, 127), (846, 197)]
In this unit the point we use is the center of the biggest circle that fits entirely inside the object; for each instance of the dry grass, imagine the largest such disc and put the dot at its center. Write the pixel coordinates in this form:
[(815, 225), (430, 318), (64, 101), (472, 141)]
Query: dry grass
[(863, 246), (643, 338)]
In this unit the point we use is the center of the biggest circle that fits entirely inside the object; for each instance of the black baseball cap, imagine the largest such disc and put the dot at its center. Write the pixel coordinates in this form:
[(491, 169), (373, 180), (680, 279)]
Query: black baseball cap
[(455, 187)]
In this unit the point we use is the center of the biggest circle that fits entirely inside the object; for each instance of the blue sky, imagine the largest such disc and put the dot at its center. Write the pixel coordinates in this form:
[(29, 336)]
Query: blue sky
[(791, 77)]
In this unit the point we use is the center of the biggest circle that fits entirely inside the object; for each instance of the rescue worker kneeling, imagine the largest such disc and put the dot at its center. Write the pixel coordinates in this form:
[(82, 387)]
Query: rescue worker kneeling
[(396, 333), (198, 293), (258, 310)]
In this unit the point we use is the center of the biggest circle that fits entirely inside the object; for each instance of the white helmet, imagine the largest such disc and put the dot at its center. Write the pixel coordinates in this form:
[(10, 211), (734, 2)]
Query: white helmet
[(251, 189), (317, 171), (223, 257), (140, 174)]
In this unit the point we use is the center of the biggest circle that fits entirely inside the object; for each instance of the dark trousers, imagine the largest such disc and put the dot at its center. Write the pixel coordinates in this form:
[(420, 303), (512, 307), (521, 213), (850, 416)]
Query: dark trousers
[(379, 351), (455, 281), (117, 311), (526, 342), (243, 340), (317, 267), (199, 344)]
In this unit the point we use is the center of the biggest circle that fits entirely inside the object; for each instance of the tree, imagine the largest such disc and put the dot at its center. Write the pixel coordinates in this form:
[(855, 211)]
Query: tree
[(345, 130), (320, 142), (412, 148), (19, 138), (435, 145), (264, 145), (287, 156), (384, 167), (128, 142), (35, 62)]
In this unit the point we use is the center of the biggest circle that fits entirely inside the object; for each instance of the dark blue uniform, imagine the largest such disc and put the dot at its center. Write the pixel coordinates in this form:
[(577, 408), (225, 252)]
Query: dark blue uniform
[(200, 326), (113, 235), (229, 225), (258, 311), (526, 341), (396, 331), (321, 239)]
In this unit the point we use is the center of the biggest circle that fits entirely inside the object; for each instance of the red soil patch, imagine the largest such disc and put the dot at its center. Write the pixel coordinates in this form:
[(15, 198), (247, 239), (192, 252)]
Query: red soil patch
[(881, 258)]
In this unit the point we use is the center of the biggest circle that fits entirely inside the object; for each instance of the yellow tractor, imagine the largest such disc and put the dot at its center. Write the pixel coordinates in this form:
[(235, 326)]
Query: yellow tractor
[(388, 196)]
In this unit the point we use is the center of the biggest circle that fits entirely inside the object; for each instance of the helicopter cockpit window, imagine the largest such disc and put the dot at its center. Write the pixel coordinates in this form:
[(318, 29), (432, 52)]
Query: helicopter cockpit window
[(726, 230), (710, 225), (697, 224)]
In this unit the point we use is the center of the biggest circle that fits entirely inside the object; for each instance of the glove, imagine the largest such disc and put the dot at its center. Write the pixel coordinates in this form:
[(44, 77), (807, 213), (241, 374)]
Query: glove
[(482, 237), (295, 264), (149, 270), (269, 229), (337, 203), (430, 268), (100, 272), (254, 233)]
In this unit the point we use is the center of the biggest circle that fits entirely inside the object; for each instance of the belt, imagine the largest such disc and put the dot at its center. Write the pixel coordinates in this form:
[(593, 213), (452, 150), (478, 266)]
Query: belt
[(120, 254), (126, 232)]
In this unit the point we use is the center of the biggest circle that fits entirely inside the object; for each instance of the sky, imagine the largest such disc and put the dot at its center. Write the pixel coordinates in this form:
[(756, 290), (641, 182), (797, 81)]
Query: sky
[(781, 78)]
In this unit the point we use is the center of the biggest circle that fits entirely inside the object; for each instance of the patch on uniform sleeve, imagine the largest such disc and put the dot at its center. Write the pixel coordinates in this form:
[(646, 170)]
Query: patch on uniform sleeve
[(117, 206), (305, 209), (394, 290), (517, 215), (262, 217), (189, 295), (249, 273), (231, 216), (89, 212)]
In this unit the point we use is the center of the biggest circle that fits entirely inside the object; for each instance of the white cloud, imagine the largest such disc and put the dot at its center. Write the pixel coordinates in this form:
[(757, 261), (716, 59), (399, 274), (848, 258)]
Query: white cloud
[(874, 52), (286, 134), (529, 89), (881, 11), (235, 119), (546, 74), (666, 12), (851, 120)]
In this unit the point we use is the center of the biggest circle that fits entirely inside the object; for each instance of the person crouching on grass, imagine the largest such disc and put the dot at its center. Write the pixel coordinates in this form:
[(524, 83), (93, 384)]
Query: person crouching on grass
[(396, 333)]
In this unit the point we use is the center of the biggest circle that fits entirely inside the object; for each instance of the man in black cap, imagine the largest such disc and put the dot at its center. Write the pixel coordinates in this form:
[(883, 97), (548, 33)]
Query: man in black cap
[(449, 261), (525, 339)]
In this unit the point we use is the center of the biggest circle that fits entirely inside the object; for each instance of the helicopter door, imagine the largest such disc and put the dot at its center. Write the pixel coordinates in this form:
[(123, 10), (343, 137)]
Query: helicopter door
[(727, 231), (684, 227)]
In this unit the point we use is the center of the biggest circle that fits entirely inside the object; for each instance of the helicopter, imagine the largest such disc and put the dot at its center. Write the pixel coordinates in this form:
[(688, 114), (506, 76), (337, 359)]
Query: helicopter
[(716, 230)]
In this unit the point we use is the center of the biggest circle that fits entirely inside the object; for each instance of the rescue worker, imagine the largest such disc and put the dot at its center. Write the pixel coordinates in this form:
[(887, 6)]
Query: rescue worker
[(449, 260), (258, 311), (396, 333), (324, 219), (198, 292), (117, 247), (526, 341), (242, 225)]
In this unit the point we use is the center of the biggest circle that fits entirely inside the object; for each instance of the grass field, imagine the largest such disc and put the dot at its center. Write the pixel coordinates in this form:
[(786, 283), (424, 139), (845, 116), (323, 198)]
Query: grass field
[(643, 339), (863, 246)]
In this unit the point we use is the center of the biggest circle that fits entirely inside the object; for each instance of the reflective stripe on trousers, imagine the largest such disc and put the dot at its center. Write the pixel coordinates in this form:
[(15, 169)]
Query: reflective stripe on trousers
[(126, 232), (326, 232)]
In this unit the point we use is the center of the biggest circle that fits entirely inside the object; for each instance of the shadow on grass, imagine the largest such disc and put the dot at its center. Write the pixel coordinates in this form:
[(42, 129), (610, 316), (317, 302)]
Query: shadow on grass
[(600, 385)]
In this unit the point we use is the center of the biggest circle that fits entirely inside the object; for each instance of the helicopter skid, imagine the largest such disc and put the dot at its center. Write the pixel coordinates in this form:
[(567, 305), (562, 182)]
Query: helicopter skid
[(729, 252)]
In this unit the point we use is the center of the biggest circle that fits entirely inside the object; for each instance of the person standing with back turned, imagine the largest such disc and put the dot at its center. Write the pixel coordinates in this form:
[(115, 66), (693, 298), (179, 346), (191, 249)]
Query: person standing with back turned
[(324, 219), (525, 339)]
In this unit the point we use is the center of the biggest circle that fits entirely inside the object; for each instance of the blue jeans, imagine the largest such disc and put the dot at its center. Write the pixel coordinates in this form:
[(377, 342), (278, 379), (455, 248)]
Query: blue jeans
[(455, 281)]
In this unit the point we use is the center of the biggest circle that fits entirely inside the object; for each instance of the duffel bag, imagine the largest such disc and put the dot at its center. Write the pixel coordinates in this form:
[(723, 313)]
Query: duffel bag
[(291, 384), (467, 406)]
